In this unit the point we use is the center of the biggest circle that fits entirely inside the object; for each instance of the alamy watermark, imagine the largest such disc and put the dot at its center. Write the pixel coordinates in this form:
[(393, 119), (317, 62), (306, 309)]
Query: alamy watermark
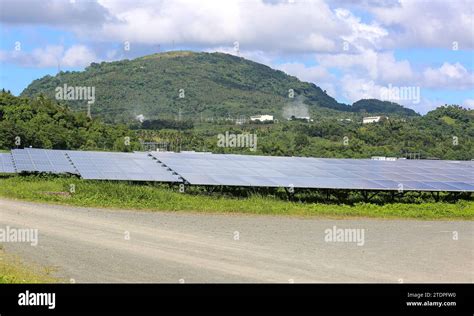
[(74, 93), (396, 94), (37, 299), (348, 235), (245, 140), (22, 235)]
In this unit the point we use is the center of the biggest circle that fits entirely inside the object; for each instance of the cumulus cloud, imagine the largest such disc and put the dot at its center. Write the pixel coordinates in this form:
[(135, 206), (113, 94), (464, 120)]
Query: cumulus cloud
[(367, 71), (51, 56), (311, 73), (377, 66), (449, 76), (256, 25), (300, 26), (317, 74), (289, 26), (355, 88), (77, 55), (437, 23), (254, 55), (426, 105), (362, 35), (53, 12)]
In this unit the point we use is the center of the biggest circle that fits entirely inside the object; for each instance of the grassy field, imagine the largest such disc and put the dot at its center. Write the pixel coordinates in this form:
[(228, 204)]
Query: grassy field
[(13, 270), (162, 198)]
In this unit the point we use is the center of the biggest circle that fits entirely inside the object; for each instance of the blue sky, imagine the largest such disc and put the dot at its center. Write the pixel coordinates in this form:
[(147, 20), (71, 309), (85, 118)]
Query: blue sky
[(352, 50)]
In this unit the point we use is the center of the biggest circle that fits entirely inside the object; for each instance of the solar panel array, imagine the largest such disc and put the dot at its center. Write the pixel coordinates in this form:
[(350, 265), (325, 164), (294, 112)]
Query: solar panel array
[(248, 171), (6, 163), (299, 172), (120, 166), (42, 160)]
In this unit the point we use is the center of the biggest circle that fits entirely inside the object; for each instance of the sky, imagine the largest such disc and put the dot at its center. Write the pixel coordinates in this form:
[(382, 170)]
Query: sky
[(418, 53)]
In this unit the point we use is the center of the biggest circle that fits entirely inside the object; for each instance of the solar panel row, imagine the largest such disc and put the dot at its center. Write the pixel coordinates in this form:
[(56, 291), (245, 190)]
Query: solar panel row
[(91, 165), (42, 160), (244, 170), (299, 172), (120, 166)]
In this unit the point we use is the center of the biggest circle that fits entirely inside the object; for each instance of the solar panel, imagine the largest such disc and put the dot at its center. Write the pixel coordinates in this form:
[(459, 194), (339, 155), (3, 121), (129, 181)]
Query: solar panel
[(120, 166), (42, 160), (247, 170), (301, 172), (6, 163)]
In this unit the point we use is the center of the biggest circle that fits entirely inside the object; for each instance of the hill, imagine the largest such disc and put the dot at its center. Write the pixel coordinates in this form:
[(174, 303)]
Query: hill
[(192, 85), (381, 107)]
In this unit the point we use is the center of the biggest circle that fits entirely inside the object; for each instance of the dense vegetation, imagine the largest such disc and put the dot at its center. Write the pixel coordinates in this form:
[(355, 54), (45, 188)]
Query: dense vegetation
[(445, 133), (43, 123), (377, 106), (196, 86), (165, 124)]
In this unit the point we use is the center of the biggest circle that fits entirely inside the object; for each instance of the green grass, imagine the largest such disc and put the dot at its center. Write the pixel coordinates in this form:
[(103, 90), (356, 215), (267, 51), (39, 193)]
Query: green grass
[(162, 198), (13, 270)]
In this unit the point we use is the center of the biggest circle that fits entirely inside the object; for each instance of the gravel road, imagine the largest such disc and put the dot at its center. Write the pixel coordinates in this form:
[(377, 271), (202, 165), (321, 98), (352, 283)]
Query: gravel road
[(95, 245)]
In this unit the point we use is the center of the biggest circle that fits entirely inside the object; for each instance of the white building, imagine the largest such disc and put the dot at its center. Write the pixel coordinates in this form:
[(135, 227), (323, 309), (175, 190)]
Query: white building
[(261, 118), (372, 119), (384, 158)]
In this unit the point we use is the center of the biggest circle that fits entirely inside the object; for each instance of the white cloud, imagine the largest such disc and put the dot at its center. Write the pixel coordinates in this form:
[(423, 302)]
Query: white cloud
[(468, 103), (77, 55), (312, 73), (362, 35), (434, 23), (425, 105), (316, 74), (382, 67), (51, 56), (287, 26), (449, 76), (356, 88), (53, 12), (253, 55), (302, 26), (290, 27)]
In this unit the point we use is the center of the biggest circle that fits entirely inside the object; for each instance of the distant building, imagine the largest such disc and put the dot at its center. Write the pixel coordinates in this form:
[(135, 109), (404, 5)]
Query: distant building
[(345, 120), (384, 158), (300, 118), (262, 118), (241, 120), (372, 119)]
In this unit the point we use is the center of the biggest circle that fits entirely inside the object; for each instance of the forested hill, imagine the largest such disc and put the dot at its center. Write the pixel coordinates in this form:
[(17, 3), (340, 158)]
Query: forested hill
[(381, 107), (193, 85)]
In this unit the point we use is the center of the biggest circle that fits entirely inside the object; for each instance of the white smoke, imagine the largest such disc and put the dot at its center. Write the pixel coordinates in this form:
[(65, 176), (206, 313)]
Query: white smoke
[(140, 118), (296, 108)]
